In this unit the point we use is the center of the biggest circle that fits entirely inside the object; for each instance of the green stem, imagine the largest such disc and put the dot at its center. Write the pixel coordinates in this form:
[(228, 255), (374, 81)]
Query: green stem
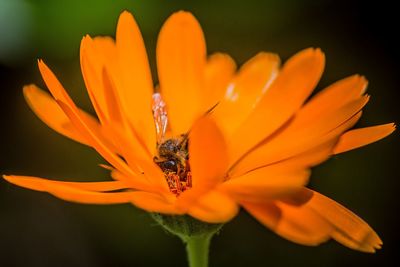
[(197, 250), (194, 233)]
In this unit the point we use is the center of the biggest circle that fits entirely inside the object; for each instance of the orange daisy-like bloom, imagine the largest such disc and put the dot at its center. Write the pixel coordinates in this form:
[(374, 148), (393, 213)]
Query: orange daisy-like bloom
[(213, 139)]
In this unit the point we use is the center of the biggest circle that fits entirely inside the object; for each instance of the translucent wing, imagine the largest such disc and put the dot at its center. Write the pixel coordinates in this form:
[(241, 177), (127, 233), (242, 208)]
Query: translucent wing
[(160, 117)]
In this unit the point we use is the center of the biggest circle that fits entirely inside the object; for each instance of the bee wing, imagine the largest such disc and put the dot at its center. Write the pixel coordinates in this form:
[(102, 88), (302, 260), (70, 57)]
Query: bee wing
[(160, 116)]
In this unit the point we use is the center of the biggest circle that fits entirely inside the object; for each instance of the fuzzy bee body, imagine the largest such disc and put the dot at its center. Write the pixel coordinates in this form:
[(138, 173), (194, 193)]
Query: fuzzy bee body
[(173, 160)]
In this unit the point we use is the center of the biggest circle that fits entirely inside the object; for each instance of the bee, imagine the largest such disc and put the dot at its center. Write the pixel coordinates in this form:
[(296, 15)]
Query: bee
[(173, 155), (173, 159)]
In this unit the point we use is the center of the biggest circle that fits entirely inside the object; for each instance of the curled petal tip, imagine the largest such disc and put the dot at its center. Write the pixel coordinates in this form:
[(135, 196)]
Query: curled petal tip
[(41, 64), (86, 37), (85, 42)]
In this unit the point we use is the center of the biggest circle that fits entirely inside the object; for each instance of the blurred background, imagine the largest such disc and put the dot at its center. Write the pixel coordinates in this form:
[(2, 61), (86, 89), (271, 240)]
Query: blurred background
[(37, 229)]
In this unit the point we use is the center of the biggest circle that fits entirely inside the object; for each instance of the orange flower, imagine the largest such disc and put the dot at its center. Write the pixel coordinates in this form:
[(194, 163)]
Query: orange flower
[(222, 138)]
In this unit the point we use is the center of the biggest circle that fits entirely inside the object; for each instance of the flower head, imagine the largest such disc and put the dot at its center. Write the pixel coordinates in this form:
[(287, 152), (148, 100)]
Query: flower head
[(211, 139)]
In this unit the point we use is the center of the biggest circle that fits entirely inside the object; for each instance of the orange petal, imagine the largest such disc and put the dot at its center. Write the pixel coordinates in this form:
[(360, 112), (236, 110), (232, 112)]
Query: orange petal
[(294, 84), (295, 223), (360, 137), (54, 85), (266, 213), (365, 247), (350, 230), (219, 71), (312, 157), (70, 192), (297, 139), (107, 50), (47, 109), (132, 146), (181, 58), (37, 183), (115, 113), (208, 153), (253, 80), (96, 141), (305, 160), (130, 171), (136, 87), (332, 98), (105, 98), (327, 121), (154, 174), (59, 93), (139, 182), (208, 159), (129, 149), (265, 183), (92, 63), (214, 207), (299, 198), (153, 203), (293, 155)]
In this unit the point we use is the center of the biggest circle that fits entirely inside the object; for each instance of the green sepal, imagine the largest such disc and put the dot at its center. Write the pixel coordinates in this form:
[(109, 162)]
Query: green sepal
[(185, 226)]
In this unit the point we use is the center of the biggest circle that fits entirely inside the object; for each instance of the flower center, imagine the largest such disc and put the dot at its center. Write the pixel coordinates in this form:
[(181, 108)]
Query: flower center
[(173, 159)]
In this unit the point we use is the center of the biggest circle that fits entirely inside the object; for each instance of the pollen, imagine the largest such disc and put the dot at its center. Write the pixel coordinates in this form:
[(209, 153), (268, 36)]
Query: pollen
[(176, 184)]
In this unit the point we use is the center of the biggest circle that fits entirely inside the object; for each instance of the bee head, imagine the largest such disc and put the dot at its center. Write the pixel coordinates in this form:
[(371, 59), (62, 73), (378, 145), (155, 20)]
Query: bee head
[(168, 166)]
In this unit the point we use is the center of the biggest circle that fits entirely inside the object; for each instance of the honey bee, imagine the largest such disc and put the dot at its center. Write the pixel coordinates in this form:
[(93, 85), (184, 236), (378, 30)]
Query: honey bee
[(173, 159), (173, 155)]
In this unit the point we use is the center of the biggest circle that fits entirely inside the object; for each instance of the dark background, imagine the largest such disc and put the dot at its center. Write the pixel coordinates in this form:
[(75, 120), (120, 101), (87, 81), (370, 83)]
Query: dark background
[(37, 229)]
